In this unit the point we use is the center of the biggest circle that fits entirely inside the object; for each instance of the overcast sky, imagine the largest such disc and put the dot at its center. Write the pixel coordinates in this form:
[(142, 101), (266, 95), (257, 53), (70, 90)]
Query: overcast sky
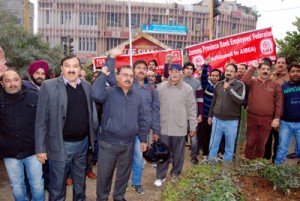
[(278, 14)]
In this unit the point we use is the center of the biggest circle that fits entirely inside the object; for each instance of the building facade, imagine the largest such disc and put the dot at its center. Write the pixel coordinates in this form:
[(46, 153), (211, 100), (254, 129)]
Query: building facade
[(17, 8), (99, 25)]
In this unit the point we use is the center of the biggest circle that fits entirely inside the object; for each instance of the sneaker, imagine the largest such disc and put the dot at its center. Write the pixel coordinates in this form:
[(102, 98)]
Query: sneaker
[(154, 165), (293, 155), (174, 178), (158, 182), (204, 160), (138, 189), (195, 161)]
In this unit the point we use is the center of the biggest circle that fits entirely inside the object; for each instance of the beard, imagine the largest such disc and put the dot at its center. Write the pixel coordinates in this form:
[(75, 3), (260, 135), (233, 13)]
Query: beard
[(38, 81)]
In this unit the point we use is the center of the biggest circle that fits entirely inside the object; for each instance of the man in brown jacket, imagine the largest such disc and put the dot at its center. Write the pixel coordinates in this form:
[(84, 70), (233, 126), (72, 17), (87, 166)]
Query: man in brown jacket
[(264, 109)]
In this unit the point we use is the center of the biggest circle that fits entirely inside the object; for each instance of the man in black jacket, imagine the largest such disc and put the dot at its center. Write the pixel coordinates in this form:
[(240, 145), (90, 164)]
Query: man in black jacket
[(17, 118)]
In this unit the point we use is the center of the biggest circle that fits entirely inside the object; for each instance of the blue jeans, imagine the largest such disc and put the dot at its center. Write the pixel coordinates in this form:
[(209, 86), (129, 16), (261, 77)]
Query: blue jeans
[(75, 164), (286, 132), (15, 171), (229, 128), (137, 163)]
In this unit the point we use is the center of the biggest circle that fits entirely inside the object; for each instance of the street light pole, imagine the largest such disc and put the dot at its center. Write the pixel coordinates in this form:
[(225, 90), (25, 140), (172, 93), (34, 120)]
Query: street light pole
[(211, 19)]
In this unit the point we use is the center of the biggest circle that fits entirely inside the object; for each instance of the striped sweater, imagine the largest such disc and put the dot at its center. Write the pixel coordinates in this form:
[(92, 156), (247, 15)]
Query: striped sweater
[(208, 90)]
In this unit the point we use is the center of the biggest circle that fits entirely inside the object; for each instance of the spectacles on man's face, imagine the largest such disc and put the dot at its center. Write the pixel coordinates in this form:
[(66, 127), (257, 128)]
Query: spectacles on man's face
[(125, 75), (230, 71)]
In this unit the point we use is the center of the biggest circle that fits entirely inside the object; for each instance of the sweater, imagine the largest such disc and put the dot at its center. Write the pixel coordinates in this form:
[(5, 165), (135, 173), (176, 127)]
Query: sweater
[(177, 107), (208, 89), (198, 92), (226, 102), (291, 93), (265, 98), (17, 118)]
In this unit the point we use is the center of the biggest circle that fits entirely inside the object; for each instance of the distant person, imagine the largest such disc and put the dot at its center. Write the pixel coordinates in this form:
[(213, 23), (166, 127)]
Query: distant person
[(242, 68), (151, 76), (152, 66), (168, 63)]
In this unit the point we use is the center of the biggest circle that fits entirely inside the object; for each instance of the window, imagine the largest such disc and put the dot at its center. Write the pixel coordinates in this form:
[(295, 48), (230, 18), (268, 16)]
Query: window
[(114, 19), (135, 20), (47, 17)]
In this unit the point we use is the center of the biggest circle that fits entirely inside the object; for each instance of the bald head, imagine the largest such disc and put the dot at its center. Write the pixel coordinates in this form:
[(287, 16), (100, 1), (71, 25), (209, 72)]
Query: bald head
[(11, 82)]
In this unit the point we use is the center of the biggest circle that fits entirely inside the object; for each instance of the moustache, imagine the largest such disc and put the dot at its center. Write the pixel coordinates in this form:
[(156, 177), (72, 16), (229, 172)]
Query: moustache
[(265, 73), (228, 75), (141, 73), (71, 72), (127, 81), (13, 87)]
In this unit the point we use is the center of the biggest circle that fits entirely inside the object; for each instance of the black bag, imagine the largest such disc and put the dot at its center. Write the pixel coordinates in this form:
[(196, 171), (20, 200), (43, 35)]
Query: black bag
[(157, 152)]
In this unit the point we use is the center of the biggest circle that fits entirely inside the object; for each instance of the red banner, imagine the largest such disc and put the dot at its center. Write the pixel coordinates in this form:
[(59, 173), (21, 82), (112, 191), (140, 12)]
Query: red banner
[(160, 57), (242, 48)]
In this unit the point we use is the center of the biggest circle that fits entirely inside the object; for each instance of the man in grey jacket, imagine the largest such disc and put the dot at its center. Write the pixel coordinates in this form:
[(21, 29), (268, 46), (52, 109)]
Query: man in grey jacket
[(177, 107), (64, 129)]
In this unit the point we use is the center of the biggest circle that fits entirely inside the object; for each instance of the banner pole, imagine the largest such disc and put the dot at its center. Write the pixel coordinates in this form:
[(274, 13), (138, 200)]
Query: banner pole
[(130, 34)]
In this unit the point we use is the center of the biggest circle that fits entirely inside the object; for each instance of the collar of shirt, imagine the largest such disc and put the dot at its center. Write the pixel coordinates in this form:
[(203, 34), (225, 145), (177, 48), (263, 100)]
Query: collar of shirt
[(136, 82), (178, 85), (78, 81)]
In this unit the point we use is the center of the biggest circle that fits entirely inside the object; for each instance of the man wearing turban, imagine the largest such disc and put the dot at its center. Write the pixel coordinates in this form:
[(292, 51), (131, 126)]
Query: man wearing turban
[(38, 71)]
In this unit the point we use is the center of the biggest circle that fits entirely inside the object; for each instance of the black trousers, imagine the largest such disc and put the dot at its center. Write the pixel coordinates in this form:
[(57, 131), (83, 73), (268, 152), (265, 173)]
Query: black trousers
[(111, 156), (177, 150), (269, 145)]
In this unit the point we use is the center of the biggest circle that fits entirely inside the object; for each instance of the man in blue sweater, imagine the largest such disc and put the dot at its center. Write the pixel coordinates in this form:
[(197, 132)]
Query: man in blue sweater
[(290, 120), (208, 85), (123, 118)]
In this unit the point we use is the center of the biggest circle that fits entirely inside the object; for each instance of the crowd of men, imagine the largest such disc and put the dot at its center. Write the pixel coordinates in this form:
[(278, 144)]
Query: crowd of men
[(48, 126)]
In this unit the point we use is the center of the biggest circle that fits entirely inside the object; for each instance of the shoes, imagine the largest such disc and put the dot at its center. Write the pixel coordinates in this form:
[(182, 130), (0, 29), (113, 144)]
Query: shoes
[(138, 189), (69, 181), (174, 178), (158, 182), (120, 200), (298, 163), (195, 161), (293, 155), (154, 165), (204, 160), (91, 175)]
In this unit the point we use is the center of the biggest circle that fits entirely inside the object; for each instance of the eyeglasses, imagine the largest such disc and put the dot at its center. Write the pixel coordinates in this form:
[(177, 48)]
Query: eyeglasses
[(125, 75), (230, 71)]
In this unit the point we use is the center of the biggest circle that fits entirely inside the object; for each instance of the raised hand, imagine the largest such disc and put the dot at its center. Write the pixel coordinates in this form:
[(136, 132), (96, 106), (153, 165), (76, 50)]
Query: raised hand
[(117, 51)]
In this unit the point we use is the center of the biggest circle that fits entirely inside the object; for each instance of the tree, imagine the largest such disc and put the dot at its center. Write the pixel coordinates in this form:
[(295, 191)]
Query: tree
[(22, 48), (289, 47)]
